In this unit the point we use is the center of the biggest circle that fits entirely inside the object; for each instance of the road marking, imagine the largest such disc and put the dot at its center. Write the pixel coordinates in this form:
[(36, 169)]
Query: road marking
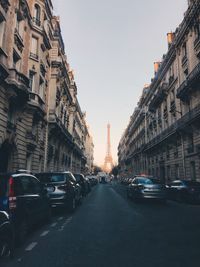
[(31, 246), (54, 224), (44, 233), (60, 218), (20, 259)]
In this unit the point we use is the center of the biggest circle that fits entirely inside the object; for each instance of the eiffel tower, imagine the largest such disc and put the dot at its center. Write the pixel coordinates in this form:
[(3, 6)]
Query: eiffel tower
[(108, 162)]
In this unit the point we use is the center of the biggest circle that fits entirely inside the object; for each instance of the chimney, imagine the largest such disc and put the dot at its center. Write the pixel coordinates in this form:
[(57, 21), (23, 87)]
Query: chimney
[(156, 67), (170, 38)]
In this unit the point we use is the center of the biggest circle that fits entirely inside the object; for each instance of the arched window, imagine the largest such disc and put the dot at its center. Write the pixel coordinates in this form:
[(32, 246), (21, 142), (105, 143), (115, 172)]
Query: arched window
[(37, 14)]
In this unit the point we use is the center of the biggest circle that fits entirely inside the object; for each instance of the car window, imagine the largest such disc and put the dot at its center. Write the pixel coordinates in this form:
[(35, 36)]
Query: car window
[(176, 183), (30, 185), (51, 177), (18, 187)]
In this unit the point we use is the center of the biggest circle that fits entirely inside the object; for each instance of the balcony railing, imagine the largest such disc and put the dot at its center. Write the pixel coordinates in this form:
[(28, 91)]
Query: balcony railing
[(34, 56), (179, 125), (36, 21), (53, 118), (158, 97), (36, 100), (188, 84), (18, 80)]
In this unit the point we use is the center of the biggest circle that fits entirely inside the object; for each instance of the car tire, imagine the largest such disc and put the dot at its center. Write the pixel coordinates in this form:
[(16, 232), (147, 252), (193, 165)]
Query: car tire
[(6, 248)]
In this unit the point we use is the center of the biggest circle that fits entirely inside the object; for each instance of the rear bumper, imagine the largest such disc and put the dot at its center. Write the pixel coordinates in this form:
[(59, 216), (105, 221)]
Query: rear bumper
[(154, 195), (58, 201)]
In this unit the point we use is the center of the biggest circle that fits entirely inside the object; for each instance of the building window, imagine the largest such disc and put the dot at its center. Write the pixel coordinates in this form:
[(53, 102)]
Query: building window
[(177, 171), (184, 50), (32, 81), (37, 14), (28, 161), (34, 48), (41, 88)]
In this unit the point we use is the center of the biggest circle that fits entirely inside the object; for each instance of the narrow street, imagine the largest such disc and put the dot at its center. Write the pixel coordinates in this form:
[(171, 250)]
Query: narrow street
[(109, 230)]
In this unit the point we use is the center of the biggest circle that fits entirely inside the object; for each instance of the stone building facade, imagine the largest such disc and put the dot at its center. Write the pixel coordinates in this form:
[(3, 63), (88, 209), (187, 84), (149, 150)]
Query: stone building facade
[(163, 135), (38, 95)]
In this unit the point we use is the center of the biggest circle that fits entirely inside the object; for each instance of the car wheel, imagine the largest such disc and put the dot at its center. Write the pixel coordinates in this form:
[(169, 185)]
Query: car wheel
[(6, 250), (22, 232)]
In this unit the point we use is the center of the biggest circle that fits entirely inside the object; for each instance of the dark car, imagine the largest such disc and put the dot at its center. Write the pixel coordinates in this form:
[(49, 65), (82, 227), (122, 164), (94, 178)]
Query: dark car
[(184, 190), (80, 179), (6, 236), (146, 188), (23, 197), (62, 189)]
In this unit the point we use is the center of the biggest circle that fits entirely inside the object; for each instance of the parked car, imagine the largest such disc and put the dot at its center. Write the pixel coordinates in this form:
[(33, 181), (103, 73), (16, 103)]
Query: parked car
[(146, 188), (93, 180), (184, 190), (23, 197), (6, 236), (62, 189), (80, 179)]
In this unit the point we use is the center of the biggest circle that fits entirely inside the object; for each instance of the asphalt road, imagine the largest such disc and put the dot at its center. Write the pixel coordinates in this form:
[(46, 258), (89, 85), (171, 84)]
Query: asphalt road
[(108, 230)]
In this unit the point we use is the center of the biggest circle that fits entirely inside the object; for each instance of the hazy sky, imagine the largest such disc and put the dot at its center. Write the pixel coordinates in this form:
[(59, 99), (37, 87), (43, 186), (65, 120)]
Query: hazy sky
[(111, 45)]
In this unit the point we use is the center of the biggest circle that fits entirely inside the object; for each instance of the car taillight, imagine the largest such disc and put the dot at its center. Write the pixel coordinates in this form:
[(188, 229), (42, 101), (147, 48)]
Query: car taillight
[(11, 195), (11, 187)]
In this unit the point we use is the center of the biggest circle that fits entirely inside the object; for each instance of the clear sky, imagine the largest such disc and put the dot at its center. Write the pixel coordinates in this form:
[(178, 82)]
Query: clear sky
[(111, 45)]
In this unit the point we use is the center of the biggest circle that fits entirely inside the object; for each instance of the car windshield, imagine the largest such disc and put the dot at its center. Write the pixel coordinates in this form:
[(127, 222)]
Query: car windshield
[(149, 181)]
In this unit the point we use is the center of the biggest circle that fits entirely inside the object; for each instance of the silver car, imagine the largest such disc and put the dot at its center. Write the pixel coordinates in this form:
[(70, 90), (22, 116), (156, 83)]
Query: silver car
[(146, 188)]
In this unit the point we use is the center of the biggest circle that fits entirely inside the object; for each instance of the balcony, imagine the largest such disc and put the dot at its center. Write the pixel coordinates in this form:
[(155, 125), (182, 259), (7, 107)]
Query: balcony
[(189, 84), (18, 41), (31, 139), (18, 81), (180, 125), (36, 22), (3, 69), (158, 97), (36, 102), (34, 56), (58, 128)]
